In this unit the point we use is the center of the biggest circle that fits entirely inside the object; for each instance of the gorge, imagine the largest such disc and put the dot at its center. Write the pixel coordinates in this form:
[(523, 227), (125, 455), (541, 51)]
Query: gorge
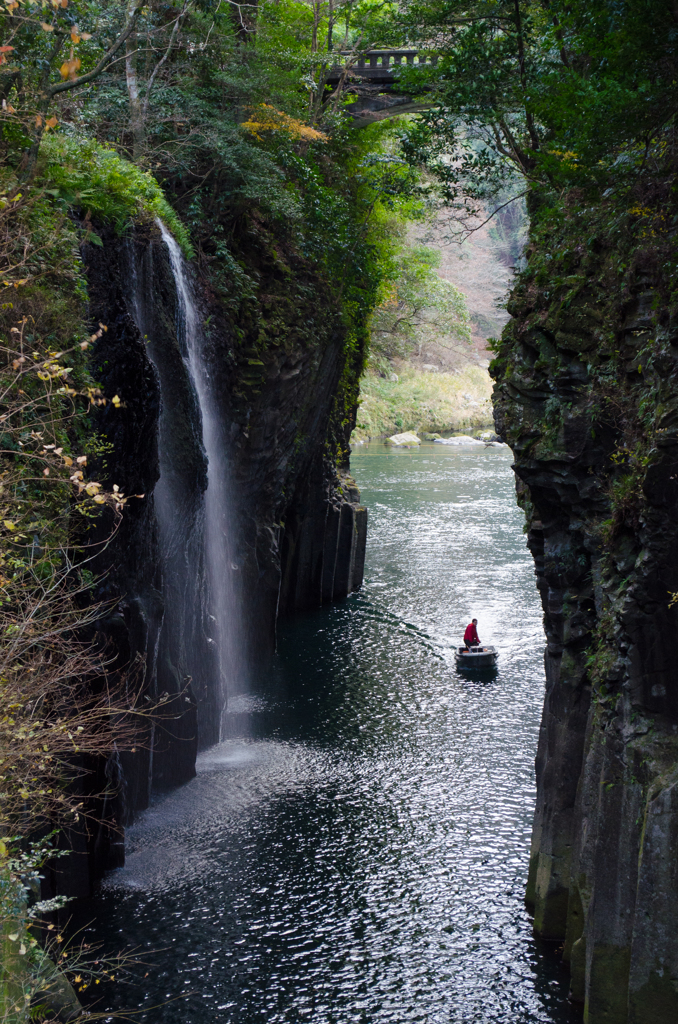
[(358, 842), (210, 228)]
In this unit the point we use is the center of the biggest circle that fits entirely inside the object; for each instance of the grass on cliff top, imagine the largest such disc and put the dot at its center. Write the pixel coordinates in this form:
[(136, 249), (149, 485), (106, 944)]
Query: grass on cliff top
[(435, 402), (87, 176)]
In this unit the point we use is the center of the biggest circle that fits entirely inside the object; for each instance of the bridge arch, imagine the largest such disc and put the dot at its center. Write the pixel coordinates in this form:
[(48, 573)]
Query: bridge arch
[(372, 76)]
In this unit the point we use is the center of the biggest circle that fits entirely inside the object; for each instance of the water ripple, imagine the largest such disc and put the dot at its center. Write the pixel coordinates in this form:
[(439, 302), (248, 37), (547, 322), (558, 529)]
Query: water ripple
[(356, 851)]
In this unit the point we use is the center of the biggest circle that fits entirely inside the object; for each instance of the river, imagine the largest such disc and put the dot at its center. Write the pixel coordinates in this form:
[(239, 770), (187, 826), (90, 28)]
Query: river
[(356, 851)]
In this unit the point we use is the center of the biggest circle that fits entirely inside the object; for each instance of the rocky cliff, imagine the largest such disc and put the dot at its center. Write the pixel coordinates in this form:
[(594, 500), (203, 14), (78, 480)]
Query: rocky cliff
[(286, 373), (587, 396)]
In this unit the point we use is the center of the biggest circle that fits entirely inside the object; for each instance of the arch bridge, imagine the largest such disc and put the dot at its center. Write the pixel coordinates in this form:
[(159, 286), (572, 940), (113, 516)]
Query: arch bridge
[(381, 66), (372, 76)]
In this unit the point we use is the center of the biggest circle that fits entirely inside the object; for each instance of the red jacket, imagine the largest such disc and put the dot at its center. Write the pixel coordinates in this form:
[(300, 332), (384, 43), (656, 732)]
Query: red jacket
[(471, 634)]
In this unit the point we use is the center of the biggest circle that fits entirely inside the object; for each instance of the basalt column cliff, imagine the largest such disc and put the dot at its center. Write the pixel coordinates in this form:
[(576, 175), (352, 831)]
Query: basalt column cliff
[(587, 396), (281, 392)]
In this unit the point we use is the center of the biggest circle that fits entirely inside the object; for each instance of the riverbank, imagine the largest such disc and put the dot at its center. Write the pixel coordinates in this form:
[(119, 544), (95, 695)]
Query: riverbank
[(423, 401)]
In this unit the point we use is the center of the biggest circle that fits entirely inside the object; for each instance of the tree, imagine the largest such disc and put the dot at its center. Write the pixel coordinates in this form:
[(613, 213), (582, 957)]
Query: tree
[(417, 306), (36, 47), (552, 91)]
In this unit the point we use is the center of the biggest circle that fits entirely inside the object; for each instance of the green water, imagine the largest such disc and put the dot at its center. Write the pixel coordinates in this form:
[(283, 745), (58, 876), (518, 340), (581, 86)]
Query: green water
[(356, 851)]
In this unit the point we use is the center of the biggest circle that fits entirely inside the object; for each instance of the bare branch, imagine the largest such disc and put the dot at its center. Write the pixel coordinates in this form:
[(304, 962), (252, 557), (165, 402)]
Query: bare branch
[(508, 202)]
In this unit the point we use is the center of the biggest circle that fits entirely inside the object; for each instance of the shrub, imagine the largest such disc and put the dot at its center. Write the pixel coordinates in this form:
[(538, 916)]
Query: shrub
[(83, 174)]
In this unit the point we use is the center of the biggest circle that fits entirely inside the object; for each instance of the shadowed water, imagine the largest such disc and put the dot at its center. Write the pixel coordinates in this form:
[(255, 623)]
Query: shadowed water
[(357, 850)]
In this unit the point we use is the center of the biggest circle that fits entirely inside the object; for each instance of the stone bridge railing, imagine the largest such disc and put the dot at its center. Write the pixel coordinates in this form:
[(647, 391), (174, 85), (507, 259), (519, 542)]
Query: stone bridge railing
[(382, 64)]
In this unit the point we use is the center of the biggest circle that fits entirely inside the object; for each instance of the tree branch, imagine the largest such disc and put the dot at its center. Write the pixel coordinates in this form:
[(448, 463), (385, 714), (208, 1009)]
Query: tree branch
[(164, 57), (532, 131), (517, 153), (546, 4), (508, 202), (53, 90), (54, 53)]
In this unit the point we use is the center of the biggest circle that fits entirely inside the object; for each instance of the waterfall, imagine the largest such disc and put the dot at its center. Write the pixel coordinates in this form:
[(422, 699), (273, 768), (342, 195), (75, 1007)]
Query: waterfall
[(223, 604), (219, 594)]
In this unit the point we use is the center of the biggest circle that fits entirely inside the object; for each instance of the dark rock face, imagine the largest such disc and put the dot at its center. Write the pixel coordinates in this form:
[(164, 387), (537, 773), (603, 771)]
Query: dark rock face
[(587, 397), (154, 627), (324, 544), (288, 375), (298, 524)]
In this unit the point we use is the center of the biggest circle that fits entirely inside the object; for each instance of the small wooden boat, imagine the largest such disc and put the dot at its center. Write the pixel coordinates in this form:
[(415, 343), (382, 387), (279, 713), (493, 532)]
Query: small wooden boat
[(476, 657)]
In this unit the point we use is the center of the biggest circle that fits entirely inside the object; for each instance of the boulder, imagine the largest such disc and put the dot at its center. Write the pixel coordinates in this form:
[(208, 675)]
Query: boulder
[(462, 439), (430, 437), (406, 440)]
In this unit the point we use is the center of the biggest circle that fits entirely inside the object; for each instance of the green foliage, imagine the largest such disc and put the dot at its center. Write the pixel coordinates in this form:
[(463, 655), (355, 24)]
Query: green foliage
[(613, 88), (565, 94), (412, 400), (43, 970), (194, 89), (417, 307), (26, 965), (84, 175)]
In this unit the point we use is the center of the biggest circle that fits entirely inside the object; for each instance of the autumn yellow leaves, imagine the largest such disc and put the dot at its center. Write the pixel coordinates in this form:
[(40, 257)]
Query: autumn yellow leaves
[(265, 118)]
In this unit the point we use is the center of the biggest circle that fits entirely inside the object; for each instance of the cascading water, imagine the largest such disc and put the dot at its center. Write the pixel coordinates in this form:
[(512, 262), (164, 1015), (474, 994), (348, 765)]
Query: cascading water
[(223, 603), (195, 649)]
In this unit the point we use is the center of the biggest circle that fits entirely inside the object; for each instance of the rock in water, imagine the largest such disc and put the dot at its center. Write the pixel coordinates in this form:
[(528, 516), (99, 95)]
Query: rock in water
[(462, 439), (406, 440)]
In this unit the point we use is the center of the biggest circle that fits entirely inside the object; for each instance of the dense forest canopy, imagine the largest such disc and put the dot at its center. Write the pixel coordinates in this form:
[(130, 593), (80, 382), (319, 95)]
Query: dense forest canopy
[(563, 95), (525, 97)]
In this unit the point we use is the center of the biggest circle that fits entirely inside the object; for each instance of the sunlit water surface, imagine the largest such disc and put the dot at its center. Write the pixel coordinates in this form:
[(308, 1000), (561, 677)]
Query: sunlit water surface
[(357, 851)]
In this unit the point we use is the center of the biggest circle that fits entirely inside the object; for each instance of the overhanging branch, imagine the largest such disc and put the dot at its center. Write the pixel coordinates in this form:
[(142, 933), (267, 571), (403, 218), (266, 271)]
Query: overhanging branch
[(53, 90)]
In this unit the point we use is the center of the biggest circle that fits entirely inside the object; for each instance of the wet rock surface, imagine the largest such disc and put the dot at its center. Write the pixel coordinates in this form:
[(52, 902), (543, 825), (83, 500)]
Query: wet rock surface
[(587, 396), (298, 523)]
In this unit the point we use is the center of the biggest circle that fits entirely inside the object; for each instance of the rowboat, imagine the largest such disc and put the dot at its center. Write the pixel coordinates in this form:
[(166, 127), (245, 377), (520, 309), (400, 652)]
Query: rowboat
[(476, 657)]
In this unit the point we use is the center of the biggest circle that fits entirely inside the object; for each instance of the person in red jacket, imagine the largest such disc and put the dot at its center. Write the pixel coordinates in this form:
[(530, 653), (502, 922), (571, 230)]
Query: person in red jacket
[(471, 638)]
